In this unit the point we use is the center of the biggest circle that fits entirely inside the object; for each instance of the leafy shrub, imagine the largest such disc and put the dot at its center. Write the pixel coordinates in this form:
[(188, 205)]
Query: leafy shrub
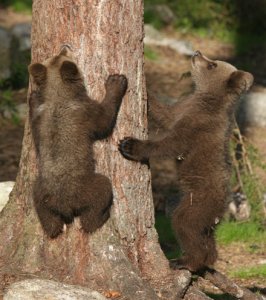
[(18, 5)]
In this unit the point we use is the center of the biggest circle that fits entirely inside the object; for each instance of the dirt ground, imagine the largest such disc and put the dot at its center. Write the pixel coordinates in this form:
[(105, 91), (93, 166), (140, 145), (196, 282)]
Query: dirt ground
[(163, 78)]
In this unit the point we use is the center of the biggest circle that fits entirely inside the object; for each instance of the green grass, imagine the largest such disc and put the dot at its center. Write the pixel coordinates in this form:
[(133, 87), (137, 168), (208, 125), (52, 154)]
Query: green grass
[(249, 232), (150, 53), (252, 272)]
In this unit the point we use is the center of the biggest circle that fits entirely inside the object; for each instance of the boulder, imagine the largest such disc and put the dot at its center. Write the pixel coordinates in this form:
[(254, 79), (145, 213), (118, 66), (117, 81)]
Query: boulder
[(154, 37), (252, 110), (22, 33), (5, 189), (38, 289), (239, 209)]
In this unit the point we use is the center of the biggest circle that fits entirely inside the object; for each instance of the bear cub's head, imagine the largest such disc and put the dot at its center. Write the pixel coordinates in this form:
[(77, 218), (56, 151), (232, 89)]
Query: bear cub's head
[(218, 77), (59, 73)]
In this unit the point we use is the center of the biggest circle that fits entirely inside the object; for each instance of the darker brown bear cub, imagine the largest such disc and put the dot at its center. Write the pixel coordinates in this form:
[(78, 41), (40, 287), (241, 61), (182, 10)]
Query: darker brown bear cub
[(199, 130), (65, 122)]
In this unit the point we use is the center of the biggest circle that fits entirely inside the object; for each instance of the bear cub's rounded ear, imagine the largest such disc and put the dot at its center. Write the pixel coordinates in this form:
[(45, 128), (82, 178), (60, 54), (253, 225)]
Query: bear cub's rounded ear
[(69, 71), (38, 72), (240, 80)]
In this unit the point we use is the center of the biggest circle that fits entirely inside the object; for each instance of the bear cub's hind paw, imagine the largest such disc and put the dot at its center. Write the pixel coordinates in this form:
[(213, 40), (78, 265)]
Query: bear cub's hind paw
[(54, 228), (177, 264)]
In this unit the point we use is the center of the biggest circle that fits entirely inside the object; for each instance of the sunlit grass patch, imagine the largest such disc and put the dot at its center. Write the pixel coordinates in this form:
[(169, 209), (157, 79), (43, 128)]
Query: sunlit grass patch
[(252, 272), (249, 232)]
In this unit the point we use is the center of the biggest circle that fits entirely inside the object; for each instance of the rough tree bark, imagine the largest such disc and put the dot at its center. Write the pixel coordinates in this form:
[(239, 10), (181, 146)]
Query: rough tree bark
[(106, 37)]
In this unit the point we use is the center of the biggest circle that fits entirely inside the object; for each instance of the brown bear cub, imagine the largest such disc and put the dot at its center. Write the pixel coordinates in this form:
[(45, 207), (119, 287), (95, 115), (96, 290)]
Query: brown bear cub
[(199, 130), (65, 123)]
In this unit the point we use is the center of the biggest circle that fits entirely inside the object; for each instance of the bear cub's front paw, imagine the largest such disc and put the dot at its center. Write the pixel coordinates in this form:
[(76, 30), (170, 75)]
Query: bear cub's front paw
[(127, 148), (116, 84)]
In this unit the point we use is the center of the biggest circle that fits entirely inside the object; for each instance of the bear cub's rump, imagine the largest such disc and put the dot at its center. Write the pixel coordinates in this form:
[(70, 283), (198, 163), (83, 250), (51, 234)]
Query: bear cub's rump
[(197, 134), (65, 123)]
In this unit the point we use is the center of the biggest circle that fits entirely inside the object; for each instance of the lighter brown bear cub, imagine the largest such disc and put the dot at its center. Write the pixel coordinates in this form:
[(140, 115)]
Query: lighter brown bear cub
[(65, 123), (198, 133)]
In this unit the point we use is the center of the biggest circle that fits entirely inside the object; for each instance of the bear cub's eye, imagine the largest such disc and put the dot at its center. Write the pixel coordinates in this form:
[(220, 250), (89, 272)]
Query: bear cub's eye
[(211, 66)]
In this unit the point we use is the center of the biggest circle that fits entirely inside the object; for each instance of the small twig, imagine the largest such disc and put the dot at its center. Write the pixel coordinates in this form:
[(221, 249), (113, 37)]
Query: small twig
[(241, 141), (238, 175), (244, 159)]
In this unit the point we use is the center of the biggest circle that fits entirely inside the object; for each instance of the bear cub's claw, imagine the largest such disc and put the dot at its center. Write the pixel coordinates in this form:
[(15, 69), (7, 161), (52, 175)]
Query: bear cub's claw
[(116, 83), (126, 147), (176, 264)]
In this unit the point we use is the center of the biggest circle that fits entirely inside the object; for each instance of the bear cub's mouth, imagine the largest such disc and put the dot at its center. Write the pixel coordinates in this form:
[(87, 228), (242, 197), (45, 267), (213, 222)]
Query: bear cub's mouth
[(194, 56)]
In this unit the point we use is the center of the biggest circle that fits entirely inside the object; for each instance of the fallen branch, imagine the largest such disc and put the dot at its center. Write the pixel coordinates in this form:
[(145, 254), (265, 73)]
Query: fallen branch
[(228, 286), (195, 294)]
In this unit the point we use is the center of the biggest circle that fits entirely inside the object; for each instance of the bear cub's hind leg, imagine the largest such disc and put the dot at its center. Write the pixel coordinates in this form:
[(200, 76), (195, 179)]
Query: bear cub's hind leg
[(99, 201), (51, 222)]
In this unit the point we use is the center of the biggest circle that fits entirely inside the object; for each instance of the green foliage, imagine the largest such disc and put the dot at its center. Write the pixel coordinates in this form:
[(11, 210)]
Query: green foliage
[(7, 105), (241, 21), (19, 75), (203, 17), (166, 236), (150, 17), (210, 15), (252, 272), (18, 5)]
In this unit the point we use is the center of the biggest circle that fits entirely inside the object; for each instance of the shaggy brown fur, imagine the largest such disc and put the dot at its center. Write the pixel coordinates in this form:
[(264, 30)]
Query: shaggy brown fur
[(65, 122), (199, 129)]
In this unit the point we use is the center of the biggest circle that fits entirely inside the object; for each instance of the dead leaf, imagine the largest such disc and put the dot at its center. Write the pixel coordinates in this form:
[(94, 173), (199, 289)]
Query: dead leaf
[(112, 294)]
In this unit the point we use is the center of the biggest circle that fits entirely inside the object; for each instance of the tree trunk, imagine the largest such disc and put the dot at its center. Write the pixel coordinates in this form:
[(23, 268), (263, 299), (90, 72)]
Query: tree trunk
[(106, 37)]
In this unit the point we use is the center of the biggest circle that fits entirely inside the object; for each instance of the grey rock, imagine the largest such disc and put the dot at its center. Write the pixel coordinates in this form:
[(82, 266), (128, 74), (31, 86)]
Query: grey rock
[(22, 33), (239, 208), (154, 37), (5, 189), (252, 110), (22, 110), (152, 33), (5, 42), (38, 289)]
